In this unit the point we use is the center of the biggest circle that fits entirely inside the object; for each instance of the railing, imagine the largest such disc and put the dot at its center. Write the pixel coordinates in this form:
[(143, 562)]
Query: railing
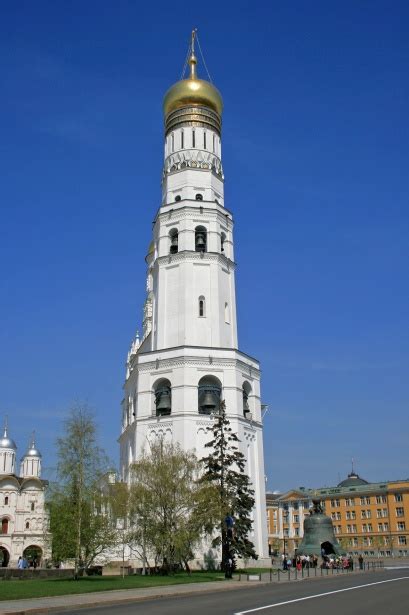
[(292, 574)]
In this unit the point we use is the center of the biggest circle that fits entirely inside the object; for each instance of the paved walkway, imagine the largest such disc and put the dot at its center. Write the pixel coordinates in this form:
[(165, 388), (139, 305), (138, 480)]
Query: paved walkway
[(60, 603)]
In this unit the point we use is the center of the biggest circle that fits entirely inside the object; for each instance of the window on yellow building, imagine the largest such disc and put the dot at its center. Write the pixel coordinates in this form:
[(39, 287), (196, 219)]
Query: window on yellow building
[(398, 497), (401, 526), (402, 540), (381, 499), (399, 511)]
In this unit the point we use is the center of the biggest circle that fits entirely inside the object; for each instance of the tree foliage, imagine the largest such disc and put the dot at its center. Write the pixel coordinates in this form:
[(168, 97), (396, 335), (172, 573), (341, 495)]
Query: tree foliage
[(224, 469), (170, 510), (81, 500)]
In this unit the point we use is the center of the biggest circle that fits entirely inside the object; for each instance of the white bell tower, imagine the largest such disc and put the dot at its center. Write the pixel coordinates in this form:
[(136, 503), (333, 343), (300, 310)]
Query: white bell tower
[(8, 451), (188, 357)]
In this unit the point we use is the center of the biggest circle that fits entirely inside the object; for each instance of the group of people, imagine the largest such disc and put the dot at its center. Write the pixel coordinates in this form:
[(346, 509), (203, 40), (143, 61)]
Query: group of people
[(24, 563), (299, 561), (334, 561)]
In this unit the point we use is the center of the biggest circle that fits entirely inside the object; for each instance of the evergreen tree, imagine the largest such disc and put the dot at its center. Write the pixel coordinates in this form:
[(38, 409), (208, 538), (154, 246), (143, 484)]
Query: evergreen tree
[(224, 468)]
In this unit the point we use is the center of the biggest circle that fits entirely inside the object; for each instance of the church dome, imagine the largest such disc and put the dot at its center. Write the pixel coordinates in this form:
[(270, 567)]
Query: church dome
[(6, 442), (32, 450), (353, 480), (192, 92)]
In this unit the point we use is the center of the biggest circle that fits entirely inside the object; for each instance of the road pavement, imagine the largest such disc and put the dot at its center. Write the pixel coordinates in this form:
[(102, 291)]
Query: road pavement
[(371, 593)]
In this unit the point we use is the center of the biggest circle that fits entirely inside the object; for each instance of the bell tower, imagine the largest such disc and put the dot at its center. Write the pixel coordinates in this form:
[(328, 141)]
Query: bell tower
[(188, 359)]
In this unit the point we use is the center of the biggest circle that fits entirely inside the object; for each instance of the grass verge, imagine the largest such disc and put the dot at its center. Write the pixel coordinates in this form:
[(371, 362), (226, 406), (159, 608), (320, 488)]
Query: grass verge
[(38, 588)]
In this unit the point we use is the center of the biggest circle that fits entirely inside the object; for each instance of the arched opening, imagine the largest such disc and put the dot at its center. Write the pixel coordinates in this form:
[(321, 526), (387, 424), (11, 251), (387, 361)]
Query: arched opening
[(209, 395), (6, 500), (32, 505), (193, 138), (4, 525), (327, 548), (200, 239), (222, 241), (202, 307), (173, 142), (163, 397), (33, 555), (182, 139), (174, 241), (4, 557), (199, 197), (27, 525), (204, 140), (246, 391)]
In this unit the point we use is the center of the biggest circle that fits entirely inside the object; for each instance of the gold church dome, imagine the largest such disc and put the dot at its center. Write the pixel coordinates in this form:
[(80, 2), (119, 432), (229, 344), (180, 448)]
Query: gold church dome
[(192, 92)]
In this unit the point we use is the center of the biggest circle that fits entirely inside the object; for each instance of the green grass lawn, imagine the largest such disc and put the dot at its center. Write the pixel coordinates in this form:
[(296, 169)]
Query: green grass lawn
[(37, 588)]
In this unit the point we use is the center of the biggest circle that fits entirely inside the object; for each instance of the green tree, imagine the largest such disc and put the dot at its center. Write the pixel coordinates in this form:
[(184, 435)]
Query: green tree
[(170, 510), (80, 505), (224, 469)]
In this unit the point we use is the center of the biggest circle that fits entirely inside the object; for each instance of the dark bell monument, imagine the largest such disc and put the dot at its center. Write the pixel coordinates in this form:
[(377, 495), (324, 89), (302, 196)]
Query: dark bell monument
[(319, 538)]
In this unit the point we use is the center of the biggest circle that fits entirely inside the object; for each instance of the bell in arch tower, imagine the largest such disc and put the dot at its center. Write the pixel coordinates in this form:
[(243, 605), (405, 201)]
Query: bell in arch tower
[(188, 358)]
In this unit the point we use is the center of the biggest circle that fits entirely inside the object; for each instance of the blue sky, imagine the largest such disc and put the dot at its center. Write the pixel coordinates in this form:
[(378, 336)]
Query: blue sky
[(316, 160)]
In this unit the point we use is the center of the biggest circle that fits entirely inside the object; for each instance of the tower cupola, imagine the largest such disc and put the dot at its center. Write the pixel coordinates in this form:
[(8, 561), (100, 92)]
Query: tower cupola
[(193, 101), (8, 450), (31, 462)]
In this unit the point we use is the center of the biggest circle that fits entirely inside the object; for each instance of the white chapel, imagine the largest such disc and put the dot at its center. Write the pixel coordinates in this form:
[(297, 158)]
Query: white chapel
[(188, 357), (24, 518)]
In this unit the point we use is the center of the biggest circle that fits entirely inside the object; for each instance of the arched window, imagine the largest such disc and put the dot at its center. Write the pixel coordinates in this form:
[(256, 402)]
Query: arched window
[(193, 138), (178, 198), (222, 240), (200, 239), (163, 397), (204, 140), (214, 143), (226, 313), (27, 525), (202, 307), (5, 526), (246, 390), (199, 197), (182, 139), (173, 142), (32, 505), (174, 241), (209, 395), (6, 500)]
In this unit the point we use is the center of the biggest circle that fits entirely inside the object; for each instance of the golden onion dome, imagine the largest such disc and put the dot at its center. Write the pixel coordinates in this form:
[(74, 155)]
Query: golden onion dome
[(192, 91)]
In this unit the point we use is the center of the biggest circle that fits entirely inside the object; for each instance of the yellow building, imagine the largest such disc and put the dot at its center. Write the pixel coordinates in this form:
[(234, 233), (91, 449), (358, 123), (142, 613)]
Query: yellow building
[(368, 518)]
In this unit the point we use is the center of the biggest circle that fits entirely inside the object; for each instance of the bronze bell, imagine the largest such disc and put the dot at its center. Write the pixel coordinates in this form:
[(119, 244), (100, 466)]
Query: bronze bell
[(174, 244), (246, 407), (319, 538), (209, 402), (163, 402), (200, 242)]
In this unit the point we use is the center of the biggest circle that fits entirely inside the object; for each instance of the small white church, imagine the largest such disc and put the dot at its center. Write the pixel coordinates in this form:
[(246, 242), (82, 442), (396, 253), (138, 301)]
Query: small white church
[(23, 517)]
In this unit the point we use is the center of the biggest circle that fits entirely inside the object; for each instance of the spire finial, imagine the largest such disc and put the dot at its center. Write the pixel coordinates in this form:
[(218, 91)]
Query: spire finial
[(33, 439), (193, 59), (352, 464), (6, 426)]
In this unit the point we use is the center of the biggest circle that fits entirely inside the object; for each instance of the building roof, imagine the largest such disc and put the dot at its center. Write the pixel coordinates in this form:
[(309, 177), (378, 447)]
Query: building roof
[(353, 480)]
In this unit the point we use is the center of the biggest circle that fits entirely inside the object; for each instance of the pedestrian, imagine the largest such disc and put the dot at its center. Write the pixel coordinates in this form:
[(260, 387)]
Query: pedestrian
[(361, 562), (20, 563)]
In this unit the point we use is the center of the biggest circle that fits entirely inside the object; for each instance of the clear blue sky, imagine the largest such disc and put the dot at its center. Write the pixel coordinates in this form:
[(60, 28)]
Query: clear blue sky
[(316, 160)]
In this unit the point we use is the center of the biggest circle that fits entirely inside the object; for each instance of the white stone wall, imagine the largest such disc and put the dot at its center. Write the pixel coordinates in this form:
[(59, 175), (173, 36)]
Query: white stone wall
[(25, 506)]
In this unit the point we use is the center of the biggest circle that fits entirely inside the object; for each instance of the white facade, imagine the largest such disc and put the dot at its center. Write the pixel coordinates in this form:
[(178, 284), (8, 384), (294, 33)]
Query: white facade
[(23, 517), (189, 326)]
